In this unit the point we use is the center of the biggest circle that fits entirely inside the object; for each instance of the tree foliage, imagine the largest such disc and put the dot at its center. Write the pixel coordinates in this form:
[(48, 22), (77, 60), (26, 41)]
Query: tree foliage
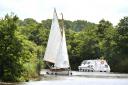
[(16, 51), (121, 49), (10, 53)]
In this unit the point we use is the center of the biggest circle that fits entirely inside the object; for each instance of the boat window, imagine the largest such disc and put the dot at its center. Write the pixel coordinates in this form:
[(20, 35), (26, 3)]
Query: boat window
[(106, 66), (90, 66), (88, 62), (84, 62)]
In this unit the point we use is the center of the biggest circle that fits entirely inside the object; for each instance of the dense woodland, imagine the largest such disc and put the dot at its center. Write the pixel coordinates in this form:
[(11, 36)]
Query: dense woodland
[(23, 43)]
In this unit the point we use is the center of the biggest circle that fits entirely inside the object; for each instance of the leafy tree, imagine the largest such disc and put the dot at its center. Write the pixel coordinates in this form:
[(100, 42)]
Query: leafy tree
[(46, 23), (73, 48), (39, 35), (18, 56), (27, 25), (105, 33), (79, 25), (121, 52), (89, 49), (10, 53), (68, 24)]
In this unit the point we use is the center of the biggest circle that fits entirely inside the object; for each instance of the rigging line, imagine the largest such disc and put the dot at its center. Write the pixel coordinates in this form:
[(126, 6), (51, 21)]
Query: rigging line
[(62, 25)]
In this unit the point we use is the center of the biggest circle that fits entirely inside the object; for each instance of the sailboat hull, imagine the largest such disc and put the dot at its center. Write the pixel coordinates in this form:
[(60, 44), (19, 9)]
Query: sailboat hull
[(59, 72)]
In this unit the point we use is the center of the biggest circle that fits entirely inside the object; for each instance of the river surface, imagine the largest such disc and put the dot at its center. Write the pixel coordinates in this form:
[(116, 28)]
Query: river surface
[(79, 78)]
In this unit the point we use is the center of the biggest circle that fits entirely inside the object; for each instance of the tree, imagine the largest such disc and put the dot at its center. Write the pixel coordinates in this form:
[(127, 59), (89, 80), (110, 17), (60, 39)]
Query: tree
[(79, 25), (105, 32), (26, 26), (46, 23), (89, 48), (18, 55), (73, 48), (39, 35), (121, 52), (10, 53)]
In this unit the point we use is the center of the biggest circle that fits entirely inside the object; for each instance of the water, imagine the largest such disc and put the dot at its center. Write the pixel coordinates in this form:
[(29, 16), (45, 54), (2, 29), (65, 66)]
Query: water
[(80, 78), (82, 81)]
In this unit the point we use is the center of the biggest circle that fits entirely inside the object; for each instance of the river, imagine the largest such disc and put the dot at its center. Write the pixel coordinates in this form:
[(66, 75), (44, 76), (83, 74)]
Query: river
[(80, 78)]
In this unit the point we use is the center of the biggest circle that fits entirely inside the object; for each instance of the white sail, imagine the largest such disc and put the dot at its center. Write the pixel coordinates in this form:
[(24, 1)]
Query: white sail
[(56, 51), (53, 41), (62, 60)]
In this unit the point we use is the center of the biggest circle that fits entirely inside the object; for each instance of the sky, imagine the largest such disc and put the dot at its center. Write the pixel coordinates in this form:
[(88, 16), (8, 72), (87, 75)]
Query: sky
[(90, 10)]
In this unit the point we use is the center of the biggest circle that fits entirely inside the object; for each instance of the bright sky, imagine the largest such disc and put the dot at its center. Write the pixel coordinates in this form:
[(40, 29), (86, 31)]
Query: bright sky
[(90, 10)]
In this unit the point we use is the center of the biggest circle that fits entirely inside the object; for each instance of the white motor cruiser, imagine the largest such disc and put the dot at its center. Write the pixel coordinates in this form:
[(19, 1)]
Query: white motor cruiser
[(99, 65)]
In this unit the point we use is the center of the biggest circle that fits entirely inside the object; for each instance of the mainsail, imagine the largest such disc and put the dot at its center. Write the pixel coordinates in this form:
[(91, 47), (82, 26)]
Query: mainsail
[(56, 51)]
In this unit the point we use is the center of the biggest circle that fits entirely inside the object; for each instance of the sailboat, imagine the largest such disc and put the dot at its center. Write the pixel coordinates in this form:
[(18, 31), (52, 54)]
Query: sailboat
[(56, 55)]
